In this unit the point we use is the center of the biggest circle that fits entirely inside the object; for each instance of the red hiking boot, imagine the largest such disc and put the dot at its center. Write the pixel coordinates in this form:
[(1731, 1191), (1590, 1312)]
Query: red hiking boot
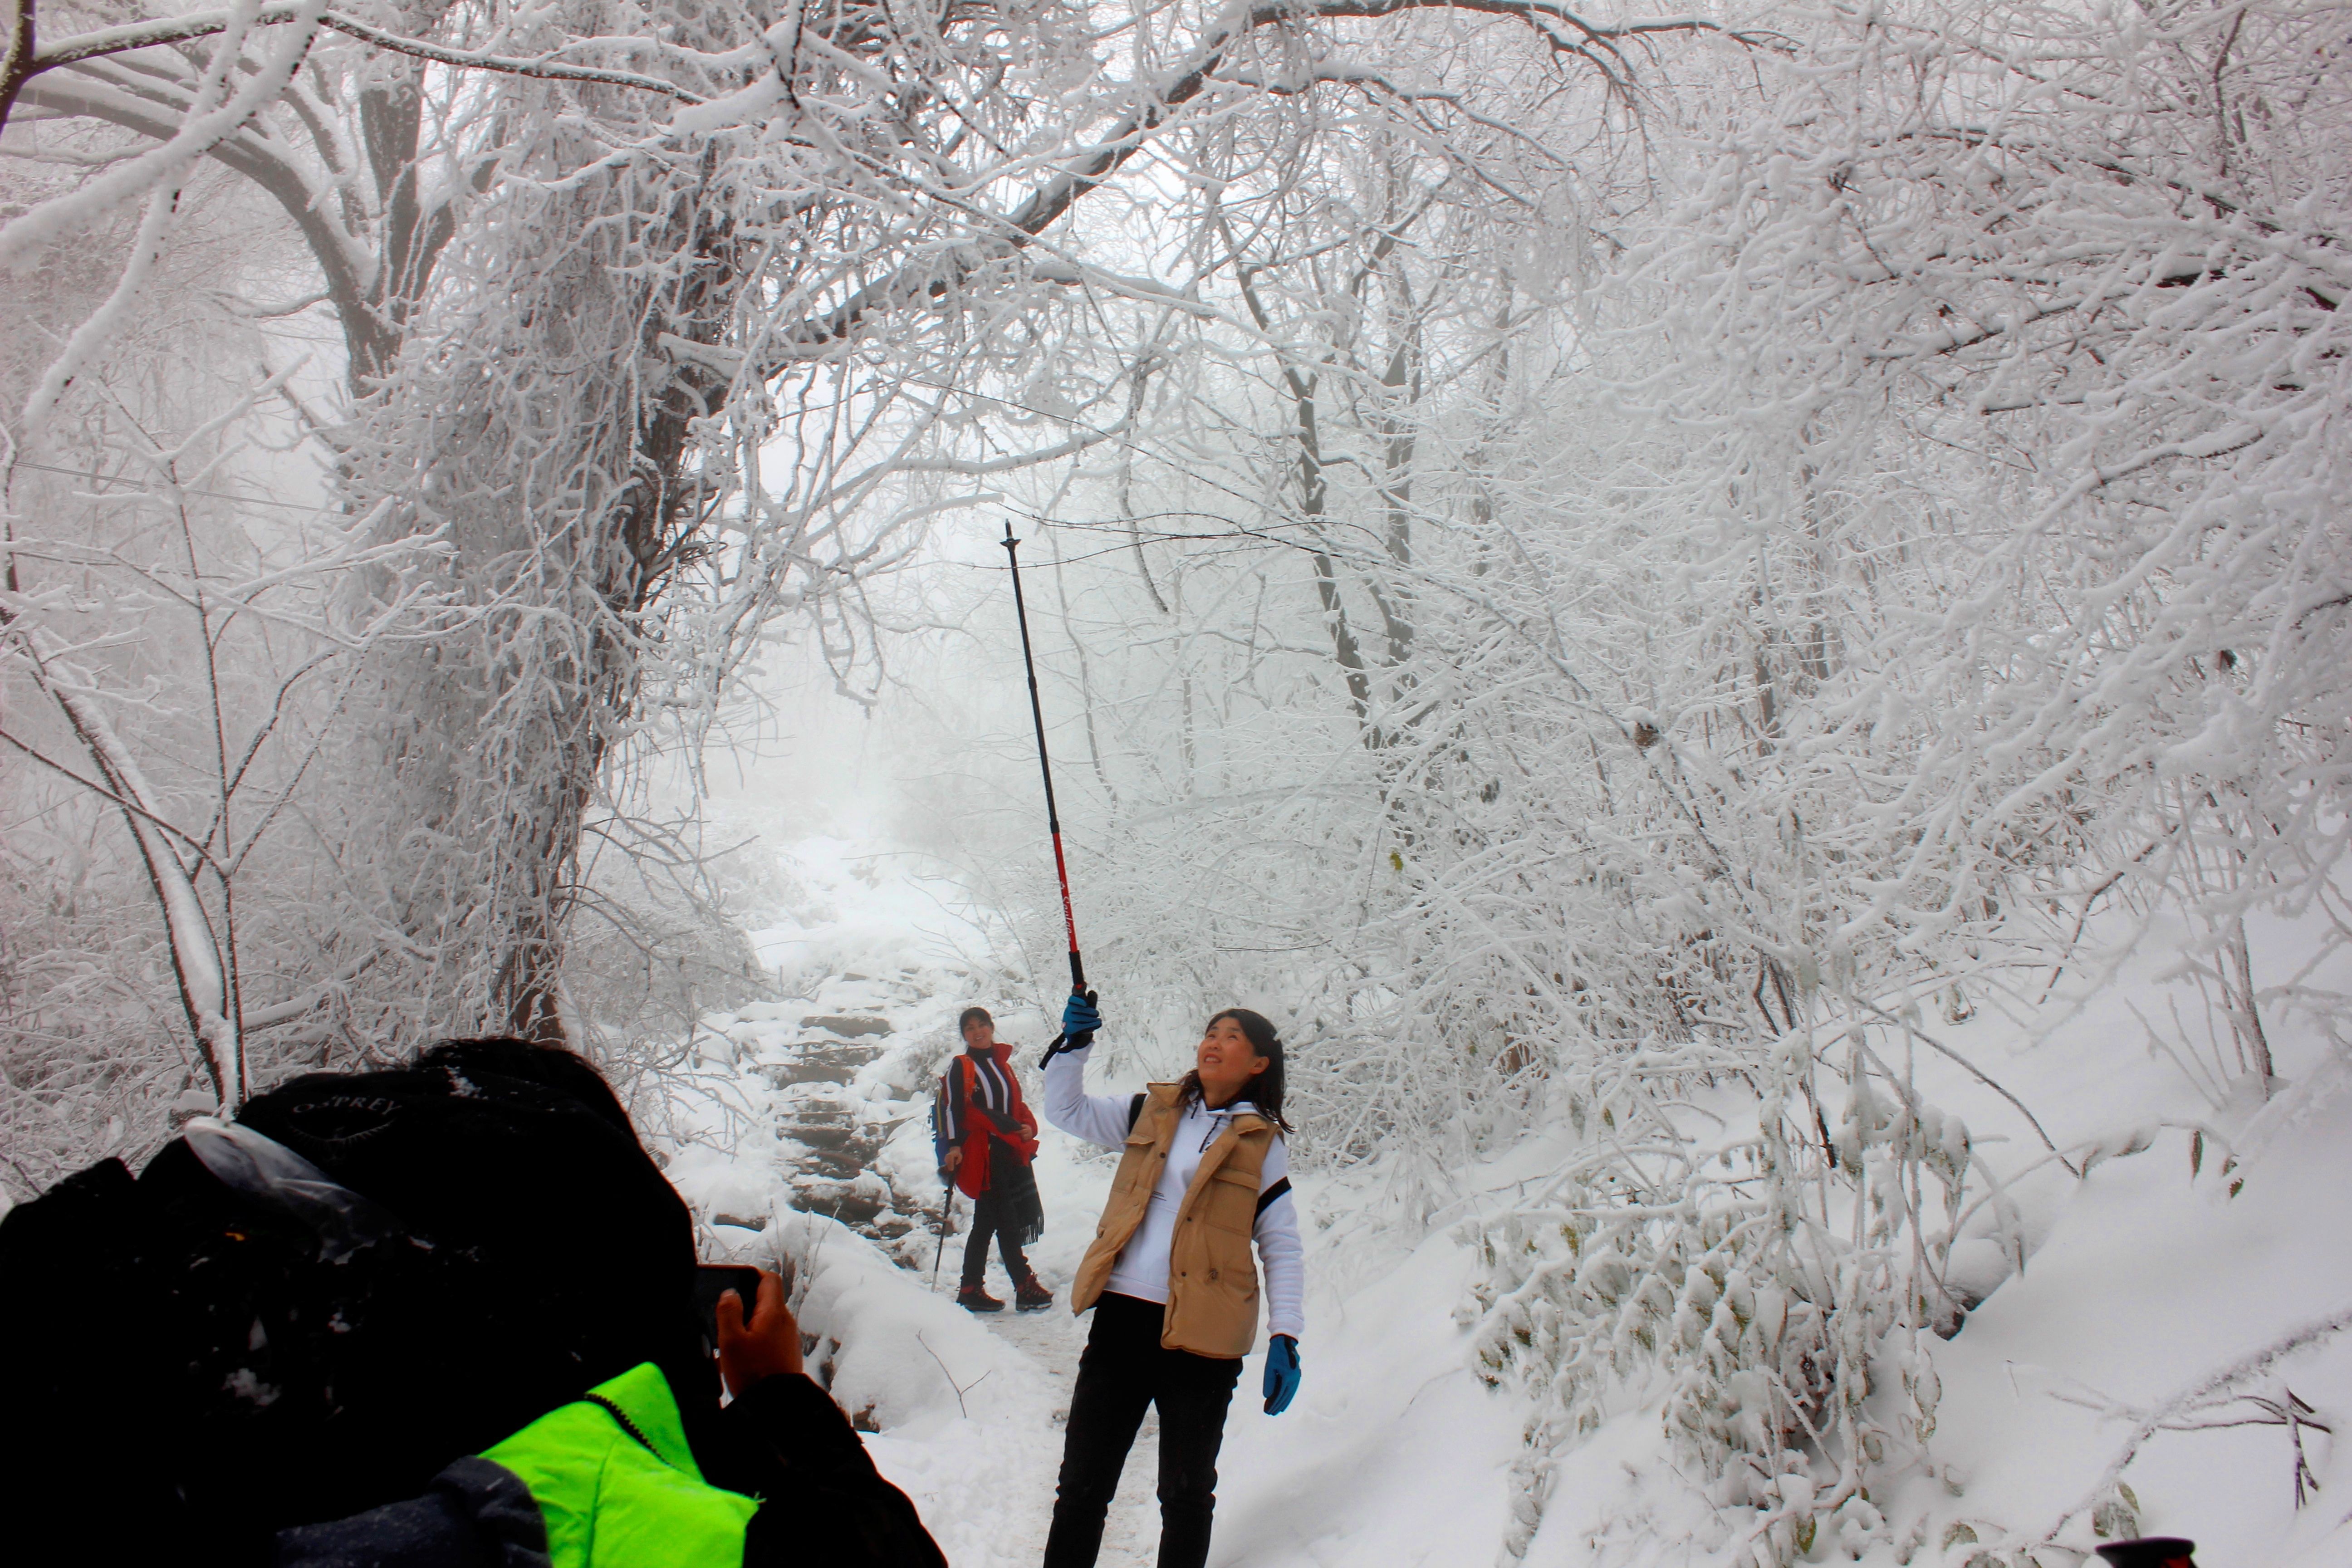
[(1029, 1294), (974, 1298)]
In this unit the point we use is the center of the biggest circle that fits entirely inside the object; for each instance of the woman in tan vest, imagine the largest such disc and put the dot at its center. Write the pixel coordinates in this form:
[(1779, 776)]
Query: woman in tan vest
[(1202, 1173)]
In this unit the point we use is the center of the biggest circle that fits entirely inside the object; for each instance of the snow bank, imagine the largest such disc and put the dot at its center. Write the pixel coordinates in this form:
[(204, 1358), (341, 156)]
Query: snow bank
[(2152, 1283), (897, 1358), (1392, 1455)]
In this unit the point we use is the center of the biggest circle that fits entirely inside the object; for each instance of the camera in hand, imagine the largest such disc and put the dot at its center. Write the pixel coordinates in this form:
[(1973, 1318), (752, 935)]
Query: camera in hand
[(712, 1280)]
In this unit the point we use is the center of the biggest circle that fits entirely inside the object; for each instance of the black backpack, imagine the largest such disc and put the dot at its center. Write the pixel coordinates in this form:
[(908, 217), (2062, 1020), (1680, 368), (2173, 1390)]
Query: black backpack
[(403, 1267)]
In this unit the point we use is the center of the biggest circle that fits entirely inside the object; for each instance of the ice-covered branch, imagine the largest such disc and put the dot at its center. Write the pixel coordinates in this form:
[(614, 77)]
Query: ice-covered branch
[(183, 29), (208, 124), (2216, 1387), (195, 950)]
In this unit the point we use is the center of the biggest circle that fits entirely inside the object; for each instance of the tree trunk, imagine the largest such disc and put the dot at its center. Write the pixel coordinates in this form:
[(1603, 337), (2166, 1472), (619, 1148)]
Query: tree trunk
[(561, 480)]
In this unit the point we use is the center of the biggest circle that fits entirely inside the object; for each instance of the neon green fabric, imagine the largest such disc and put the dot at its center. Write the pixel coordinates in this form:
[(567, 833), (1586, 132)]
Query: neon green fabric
[(609, 1502)]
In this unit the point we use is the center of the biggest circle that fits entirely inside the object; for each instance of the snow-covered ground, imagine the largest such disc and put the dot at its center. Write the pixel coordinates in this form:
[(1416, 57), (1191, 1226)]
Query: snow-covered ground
[(2143, 1282)]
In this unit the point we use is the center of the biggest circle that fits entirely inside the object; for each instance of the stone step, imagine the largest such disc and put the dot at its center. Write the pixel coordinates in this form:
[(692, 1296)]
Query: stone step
[(851, 1203), (826, 1132), (781, 1074), (846, 1026)]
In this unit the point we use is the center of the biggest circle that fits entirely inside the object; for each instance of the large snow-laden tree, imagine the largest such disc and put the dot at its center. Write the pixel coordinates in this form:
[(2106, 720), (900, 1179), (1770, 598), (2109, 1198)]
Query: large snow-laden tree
[(598, 279)]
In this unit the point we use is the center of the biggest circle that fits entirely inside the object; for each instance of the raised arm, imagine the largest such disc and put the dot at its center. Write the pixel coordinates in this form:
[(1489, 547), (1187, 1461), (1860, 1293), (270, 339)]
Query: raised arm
[(1096, 1117)]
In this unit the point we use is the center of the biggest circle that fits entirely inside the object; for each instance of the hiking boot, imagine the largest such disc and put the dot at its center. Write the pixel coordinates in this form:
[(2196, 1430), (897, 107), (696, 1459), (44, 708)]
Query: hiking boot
[(1029, 1294), (974, 1298)]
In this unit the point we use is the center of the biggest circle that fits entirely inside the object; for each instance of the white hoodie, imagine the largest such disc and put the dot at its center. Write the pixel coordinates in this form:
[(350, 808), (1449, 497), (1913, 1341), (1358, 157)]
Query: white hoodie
[(1143, 1267)]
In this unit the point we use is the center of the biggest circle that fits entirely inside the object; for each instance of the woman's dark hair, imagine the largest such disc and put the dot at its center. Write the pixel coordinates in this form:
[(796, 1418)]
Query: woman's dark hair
[(963, 1019), (1265, 1090)]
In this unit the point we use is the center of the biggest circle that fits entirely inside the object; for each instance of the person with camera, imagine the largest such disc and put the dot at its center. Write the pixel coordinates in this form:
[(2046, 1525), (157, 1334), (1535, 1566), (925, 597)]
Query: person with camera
[(625, 1475), (440, 1314)]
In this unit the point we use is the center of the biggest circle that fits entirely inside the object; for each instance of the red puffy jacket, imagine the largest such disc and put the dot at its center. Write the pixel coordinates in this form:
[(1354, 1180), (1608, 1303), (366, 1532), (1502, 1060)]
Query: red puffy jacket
[(972, 1132)]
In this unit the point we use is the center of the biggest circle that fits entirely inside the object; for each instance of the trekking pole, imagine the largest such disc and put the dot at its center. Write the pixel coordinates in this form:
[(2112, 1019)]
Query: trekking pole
[(1037, 715), (947, 1197)]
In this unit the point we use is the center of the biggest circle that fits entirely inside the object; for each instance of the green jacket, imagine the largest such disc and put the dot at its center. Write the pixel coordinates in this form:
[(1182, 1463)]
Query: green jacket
[(618, 1487), (610, 1481)]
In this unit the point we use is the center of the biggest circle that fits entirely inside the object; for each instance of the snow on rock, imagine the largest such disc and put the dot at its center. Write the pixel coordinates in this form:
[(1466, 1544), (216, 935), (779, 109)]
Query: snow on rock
[(715, 1183)]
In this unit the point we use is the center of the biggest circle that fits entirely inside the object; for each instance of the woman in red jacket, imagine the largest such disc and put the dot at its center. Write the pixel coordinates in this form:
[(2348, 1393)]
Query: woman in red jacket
[(987, 1138)]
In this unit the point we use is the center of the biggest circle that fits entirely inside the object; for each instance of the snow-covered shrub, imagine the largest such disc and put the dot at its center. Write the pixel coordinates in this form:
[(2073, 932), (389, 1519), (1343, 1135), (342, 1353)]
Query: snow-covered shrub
[(1770, 1288)]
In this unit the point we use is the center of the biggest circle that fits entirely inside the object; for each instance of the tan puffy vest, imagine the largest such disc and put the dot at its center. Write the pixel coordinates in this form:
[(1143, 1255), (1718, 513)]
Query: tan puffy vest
[(1211, 1275)]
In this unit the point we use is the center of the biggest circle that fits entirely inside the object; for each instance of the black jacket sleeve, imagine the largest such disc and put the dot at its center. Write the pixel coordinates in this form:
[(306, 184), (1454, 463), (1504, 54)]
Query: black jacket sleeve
[(785, 1442), (476, 1515), (953, 1115)]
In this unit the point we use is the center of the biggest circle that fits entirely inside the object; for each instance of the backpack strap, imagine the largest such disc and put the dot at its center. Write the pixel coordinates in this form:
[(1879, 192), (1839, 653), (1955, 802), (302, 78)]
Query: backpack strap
[(1134, 1111)]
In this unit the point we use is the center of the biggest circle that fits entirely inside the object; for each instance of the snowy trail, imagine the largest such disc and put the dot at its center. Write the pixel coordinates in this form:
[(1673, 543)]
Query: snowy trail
[(985, 1485), (972, 1422)]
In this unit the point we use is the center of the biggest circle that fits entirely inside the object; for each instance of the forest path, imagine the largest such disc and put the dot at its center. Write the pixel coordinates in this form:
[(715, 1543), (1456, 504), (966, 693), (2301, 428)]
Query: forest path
[(984, 1481), (884, 943), (1052, 1340)]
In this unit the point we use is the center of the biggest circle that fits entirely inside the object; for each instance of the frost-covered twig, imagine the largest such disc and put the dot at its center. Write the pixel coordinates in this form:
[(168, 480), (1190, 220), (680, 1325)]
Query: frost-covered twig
[(961, 1388), (2215, 1387), (213, 115), (1973, 1070)]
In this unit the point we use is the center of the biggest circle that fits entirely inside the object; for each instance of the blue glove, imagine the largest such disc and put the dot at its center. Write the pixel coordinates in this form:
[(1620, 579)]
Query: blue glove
[(1281, 1373), (1079, 1022)]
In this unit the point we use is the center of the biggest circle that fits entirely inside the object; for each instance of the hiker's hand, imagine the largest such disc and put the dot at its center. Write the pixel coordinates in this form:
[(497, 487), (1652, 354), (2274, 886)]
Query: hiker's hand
[(1281, 1373), (1080, 1019), (767, 1345), (955, 1157)]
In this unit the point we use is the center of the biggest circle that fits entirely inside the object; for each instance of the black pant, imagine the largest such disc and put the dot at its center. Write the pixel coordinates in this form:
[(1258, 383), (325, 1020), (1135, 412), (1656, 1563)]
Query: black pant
[(987, 1220), (1125, 1369)]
